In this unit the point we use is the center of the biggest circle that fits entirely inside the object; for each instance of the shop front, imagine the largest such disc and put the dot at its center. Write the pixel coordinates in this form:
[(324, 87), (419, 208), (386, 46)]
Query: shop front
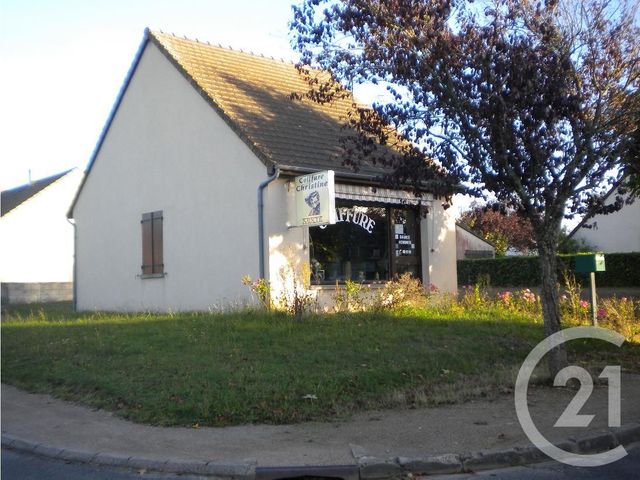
[(377, 235)]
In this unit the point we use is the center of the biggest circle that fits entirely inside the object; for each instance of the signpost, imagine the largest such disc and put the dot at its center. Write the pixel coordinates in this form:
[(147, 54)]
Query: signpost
[(315, 199), (591, 264)]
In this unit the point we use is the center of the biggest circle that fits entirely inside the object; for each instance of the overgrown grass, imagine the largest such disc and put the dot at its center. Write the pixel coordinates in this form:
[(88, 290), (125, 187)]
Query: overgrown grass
[(257, 367)]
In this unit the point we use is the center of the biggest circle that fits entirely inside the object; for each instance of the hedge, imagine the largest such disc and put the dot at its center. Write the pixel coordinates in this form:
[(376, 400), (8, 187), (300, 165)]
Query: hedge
[(623, 270)]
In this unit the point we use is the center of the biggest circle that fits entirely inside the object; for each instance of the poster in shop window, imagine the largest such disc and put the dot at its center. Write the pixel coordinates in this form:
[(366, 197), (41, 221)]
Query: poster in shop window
[(315, 199)]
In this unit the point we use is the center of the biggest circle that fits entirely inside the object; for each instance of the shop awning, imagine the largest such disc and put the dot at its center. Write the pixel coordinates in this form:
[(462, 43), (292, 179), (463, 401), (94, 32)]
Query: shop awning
[(380, 195)]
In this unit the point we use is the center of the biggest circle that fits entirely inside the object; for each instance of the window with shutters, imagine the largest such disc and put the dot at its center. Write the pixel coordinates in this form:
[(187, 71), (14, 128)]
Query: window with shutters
[(152, 257)]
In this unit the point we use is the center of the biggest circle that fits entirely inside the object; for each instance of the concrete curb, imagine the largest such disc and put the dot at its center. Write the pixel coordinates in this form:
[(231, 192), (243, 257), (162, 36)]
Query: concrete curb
[(235, 471), (367, 468), (377, 469)]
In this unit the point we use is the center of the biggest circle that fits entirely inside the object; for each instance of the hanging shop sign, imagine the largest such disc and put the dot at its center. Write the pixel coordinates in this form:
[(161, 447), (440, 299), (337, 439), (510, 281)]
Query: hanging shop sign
[(315, 199)]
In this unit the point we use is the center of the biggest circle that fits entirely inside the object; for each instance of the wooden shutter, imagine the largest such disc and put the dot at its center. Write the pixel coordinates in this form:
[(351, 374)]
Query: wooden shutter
[(156, 230), (147, 244)]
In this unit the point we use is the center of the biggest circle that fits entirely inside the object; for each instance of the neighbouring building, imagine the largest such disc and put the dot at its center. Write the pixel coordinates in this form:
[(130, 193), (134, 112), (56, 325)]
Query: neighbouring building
[(36, 240), (470, 244), (617, 232), (201, 140)]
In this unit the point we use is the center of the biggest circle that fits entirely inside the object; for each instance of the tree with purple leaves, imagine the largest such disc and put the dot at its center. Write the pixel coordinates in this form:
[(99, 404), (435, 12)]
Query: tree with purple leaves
[(534, 102), (505, 229)]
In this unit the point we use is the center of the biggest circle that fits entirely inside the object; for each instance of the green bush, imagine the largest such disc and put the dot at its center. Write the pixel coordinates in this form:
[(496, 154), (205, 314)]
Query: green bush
[(623, 270)]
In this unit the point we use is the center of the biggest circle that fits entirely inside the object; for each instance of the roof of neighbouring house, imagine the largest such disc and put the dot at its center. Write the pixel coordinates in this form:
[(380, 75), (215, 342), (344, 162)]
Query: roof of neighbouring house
[(14, 197), (478, 235)]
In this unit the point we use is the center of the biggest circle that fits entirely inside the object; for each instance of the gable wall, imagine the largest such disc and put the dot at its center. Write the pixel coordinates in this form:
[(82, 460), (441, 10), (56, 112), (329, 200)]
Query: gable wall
[(167, 150), (616, 232), (467, 241), (36, 240)]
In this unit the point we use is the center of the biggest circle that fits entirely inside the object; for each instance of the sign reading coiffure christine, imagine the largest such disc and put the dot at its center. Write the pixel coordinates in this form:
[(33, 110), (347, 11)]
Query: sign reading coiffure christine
[(315, 199)]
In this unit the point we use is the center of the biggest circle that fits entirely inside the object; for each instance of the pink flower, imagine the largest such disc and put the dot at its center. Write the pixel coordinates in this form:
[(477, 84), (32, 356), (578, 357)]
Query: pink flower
[(584, 303), (602, 313), (528, 295), (505, 297)]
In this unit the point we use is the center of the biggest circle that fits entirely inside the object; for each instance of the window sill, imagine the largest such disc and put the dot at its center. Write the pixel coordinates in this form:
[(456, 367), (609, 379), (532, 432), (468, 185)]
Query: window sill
[(152, 275)]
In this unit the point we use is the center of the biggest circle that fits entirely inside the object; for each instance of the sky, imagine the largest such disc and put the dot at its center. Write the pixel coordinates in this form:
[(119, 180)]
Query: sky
[(64, 61)]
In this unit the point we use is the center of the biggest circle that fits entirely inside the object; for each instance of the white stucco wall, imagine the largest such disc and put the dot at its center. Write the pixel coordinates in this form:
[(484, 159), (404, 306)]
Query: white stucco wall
[(616, 232), (168, 150), (286, 249), (36, 240), (438, 231)]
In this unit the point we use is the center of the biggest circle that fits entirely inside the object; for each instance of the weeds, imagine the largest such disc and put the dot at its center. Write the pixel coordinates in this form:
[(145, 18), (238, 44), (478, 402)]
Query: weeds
[(351, 298), (260, 288), (404, 292)]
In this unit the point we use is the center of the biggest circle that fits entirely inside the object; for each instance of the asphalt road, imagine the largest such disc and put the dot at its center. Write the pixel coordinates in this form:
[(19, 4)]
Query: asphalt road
[(19, 466), (627, 468)]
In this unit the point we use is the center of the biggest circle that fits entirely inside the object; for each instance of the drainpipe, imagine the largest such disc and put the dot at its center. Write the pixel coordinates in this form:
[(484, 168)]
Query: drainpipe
[(261, 188), (75, 283)]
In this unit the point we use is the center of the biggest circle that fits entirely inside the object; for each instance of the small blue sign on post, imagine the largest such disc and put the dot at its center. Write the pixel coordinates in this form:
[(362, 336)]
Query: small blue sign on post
[(591, 263)]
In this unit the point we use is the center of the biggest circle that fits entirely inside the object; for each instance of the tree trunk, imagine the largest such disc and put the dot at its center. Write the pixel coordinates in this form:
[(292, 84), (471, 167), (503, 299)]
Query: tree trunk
[(547, 249)]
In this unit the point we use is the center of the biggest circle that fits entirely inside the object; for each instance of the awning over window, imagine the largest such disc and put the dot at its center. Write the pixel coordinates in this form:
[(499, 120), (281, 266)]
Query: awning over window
[(380, 195)]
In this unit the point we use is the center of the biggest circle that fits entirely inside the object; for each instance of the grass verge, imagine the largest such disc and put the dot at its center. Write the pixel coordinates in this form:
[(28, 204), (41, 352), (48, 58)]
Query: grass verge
[(257, 367)]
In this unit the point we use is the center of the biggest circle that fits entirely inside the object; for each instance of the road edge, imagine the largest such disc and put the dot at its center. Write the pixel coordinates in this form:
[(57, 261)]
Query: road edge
[(367, 467)]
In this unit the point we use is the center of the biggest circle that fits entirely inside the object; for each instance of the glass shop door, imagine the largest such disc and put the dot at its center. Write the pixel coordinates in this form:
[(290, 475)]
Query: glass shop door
[(405, 242)]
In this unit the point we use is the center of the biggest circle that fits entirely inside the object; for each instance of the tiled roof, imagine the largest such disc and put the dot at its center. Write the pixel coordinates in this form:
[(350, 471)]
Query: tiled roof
[(13, 198), (253, 93)]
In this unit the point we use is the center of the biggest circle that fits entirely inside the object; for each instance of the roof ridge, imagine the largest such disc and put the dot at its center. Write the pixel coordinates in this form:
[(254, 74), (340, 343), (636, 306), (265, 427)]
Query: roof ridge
[(227, 48), (39, 180), (37, 187)]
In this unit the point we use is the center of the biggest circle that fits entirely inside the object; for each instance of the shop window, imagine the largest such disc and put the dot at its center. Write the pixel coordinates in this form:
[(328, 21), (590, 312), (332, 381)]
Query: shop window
[(152, 245), (368, 243)]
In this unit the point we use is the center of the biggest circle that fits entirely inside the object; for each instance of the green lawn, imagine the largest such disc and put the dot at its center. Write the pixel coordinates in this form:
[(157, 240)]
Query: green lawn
[(250, 367)]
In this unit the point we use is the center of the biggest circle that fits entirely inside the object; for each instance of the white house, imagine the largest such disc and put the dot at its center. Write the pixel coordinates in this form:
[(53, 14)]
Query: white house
[(613, 233), (190, 188), (470, 244), (36, 239)]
